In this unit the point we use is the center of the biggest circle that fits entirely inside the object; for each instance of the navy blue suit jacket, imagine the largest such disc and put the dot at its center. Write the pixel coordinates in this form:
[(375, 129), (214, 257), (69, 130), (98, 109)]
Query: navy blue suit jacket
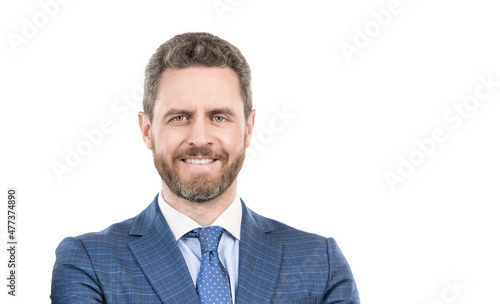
[(138, 261)]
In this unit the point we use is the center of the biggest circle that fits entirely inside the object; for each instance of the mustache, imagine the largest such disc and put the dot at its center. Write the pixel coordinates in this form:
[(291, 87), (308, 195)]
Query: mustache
[(200, 151)]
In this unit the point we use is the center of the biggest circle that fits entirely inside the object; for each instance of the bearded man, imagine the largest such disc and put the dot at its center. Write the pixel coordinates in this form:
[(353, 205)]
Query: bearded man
[(198, 242)]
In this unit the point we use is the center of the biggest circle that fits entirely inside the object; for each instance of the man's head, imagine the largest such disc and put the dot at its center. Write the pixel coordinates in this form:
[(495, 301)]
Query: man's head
[(195, 50), (198, 118)]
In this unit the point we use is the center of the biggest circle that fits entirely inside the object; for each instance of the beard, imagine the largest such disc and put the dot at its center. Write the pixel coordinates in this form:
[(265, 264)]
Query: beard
[(199, 188)]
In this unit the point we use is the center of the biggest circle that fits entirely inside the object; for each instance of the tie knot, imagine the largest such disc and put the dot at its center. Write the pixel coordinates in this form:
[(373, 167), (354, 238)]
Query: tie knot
[(209, 238)]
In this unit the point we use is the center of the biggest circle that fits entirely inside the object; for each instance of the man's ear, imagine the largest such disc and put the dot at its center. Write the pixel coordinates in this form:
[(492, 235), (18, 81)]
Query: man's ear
[(146, 129), (249, 128)]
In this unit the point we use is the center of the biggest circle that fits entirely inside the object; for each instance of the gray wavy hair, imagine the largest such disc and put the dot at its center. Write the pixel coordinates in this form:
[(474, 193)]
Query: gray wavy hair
[(195, 49)]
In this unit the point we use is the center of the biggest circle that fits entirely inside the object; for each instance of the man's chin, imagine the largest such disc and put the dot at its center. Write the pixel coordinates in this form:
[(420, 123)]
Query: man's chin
[(199, 195), (198, 189), (201, 180)]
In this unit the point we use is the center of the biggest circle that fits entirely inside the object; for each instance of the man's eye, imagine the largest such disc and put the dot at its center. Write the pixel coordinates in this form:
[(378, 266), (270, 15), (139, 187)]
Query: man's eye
[(218, 119), (179, 118)]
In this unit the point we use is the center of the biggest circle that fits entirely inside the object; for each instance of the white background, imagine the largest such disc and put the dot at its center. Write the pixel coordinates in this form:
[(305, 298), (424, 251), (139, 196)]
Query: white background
[(349, 123)]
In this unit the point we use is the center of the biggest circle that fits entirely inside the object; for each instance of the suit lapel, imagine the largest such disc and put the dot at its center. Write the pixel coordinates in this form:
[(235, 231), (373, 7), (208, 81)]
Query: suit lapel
[(160, 258), (259, 261)]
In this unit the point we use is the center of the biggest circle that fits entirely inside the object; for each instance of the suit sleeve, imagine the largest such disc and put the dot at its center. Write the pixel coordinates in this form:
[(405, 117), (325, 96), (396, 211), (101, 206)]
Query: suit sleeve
[(73, 278), (341, 287)]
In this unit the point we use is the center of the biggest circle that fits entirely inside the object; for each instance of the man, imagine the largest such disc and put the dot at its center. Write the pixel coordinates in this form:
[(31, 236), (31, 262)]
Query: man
[(198, 242)]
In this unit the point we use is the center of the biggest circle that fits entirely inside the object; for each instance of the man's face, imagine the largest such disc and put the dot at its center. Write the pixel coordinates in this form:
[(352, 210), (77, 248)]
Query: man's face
[(199, 131)]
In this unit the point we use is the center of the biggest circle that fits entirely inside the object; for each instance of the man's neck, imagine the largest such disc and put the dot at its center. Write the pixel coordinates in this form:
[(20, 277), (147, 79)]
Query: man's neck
[(204, 213)]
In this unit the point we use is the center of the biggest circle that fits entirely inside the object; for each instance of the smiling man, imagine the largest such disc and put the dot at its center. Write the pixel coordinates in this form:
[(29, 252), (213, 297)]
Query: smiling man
[(198, 136), (198, 242)]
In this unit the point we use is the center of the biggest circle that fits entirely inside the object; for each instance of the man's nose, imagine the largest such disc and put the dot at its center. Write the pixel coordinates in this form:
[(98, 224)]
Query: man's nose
[(200, 133)]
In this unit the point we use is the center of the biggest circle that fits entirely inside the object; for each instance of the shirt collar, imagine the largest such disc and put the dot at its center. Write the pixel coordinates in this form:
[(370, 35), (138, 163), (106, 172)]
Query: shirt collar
[(181, 224)]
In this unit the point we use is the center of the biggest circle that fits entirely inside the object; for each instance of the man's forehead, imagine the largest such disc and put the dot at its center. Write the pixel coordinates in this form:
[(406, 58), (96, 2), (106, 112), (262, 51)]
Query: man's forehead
[(198, 82), (199, 89), (193, 105), (187, 73)]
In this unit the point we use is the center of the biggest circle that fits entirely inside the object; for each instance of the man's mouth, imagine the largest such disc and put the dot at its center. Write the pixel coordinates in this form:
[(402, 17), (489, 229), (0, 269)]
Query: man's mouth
[(199, 161)]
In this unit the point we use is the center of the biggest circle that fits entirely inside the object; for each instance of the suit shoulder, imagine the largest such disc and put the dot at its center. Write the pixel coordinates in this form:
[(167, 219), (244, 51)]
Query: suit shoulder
[(122, 232), (116, 235), (287, 233), (115, 230), (295, 233)]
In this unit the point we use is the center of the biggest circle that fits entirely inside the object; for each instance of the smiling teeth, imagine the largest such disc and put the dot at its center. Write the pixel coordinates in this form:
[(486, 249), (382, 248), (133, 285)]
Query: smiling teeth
[(197, 161)]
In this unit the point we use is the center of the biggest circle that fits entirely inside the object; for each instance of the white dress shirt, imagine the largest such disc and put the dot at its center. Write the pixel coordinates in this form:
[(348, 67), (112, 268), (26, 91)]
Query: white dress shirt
[(229, 244)]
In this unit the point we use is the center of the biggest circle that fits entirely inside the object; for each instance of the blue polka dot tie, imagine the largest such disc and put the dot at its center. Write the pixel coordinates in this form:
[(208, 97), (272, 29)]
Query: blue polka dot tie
[(213, 281)]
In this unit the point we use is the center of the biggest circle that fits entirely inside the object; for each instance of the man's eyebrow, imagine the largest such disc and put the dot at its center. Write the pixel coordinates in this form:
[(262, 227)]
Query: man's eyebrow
[(174, 111), (224, 110)]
